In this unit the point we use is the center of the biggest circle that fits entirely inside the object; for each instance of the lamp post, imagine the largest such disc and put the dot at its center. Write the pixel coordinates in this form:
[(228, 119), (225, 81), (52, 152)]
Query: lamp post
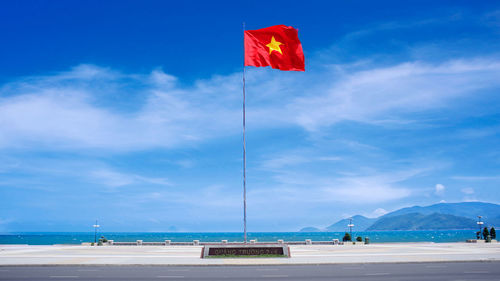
[(480, 224), (350, 225), (95, 232)]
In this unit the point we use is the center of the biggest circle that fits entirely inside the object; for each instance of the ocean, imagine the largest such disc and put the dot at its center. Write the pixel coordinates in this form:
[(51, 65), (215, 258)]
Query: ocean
[(49, 238)]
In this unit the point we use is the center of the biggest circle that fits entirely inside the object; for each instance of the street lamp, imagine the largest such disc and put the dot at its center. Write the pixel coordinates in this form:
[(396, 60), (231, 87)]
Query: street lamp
[(350, 225), (95, 232), (480, 224)]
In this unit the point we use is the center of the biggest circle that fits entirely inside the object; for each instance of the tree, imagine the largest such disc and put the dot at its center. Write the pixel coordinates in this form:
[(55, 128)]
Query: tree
[(485, 233), (347, 237), (478, 235), (359, 239), (493, 233)]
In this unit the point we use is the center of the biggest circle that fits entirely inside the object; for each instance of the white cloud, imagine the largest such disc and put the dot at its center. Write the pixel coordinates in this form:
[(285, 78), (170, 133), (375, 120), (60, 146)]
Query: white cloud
[(355, 189), (469, 194), (214, 196), (368, 193), (372, 95), (439, 189), (94, 107), (76, 109), (162, 79), (377, 213)]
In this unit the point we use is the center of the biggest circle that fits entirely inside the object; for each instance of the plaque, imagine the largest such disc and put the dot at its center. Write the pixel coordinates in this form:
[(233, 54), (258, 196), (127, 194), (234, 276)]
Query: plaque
[(243, 250)]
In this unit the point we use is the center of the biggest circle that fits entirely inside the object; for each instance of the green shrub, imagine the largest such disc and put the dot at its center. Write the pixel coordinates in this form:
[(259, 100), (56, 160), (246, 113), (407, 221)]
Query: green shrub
[(347, 237), (493, 233), (359, 239), (485, 233)]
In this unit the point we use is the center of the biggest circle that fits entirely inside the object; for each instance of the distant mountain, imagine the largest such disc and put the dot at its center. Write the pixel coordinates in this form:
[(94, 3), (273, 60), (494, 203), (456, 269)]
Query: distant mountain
[(417, 221), (470, 210), (434, 217), (494, 221), (360, 224), (310, 229)]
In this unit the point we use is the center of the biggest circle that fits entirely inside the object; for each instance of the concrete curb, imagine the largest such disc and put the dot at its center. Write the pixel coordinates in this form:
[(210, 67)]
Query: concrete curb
[(256, 264)]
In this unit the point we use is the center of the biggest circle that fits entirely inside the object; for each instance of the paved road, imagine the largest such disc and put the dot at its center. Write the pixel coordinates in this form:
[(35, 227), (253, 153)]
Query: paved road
[(473, 271)]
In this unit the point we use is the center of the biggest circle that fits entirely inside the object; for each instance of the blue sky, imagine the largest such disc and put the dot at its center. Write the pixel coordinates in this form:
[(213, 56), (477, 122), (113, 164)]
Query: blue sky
[(130, 112)]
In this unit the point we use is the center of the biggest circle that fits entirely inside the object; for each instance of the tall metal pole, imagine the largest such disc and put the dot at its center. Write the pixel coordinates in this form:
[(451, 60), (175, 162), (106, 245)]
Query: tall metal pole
[(244, 150), (350, 225), (480, 224), (95, 232)]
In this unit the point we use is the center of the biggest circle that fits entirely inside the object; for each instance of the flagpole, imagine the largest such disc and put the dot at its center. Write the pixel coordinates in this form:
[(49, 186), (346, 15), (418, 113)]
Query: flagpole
[(244, 150)]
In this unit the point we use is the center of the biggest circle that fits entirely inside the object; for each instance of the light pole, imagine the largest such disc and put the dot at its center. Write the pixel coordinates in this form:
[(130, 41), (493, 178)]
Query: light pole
[(350, 225), (480, 224), (95, 232)]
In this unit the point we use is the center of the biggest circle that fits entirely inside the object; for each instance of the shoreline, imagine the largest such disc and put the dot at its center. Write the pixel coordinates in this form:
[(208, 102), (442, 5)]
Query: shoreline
[(201, 243), (49, 238)]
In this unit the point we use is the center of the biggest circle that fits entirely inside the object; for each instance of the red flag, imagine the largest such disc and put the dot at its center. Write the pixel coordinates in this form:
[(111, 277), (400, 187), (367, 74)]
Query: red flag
[(276, 46)]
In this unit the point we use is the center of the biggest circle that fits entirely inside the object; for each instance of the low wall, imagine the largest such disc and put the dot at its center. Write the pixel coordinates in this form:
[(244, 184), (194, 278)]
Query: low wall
[(224, 242)]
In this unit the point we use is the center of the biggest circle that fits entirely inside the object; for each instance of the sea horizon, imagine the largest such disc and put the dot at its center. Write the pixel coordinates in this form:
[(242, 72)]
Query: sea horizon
[(50, 238)]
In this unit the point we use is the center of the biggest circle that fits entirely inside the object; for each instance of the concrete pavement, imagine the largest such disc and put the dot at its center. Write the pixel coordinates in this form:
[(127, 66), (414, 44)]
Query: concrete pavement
[(301, 254)]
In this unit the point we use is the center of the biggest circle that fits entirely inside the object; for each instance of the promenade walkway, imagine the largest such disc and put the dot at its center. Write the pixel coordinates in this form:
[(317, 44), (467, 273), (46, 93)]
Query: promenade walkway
[(301, 254)]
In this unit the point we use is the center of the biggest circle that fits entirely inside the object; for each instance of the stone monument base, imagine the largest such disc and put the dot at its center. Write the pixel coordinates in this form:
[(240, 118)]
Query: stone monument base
[(243, 250)]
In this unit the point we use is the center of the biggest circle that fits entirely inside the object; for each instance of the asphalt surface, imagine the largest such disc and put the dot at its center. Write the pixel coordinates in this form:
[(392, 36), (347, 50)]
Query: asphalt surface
[(473, 271)]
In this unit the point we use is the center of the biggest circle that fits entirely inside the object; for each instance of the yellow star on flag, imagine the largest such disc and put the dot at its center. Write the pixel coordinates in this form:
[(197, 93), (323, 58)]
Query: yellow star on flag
[(274, 46)]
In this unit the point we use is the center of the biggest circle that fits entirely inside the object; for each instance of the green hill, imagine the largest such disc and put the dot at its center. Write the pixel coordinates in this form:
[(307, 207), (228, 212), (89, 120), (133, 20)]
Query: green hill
[(488, 211), (440, 216), (361, 223), (310, 229), (416, 221)]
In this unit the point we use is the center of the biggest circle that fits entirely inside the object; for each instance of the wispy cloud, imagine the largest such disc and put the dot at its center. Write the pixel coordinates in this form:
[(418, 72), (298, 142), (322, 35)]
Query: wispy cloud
[(467, 190), (370, 189), (374, 94), (115, 179), (439, 189), (376, 187), (293, 158), (94, 107), (75, 109), (469, 194), (476, 178), (474, 133), (377, 213)]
